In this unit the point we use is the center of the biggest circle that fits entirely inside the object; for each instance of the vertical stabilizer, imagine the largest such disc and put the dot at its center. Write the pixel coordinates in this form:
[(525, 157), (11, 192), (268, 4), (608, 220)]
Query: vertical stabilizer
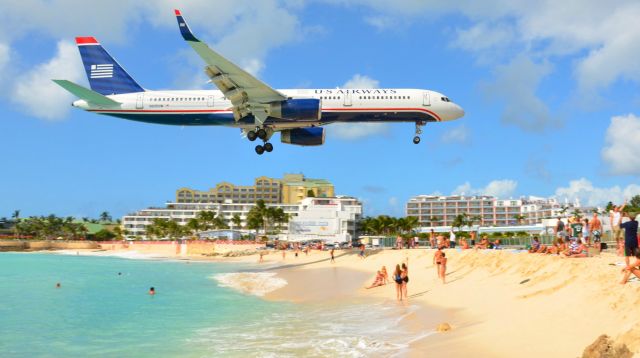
[(105, 74)]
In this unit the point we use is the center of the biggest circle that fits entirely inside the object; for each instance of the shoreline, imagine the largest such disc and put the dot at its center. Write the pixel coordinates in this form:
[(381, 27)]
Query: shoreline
[(499, 303)]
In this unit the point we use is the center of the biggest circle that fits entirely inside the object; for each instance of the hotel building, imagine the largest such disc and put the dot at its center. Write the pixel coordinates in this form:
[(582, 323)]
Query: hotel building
[(291, 189), (330, 219), (434, 210)]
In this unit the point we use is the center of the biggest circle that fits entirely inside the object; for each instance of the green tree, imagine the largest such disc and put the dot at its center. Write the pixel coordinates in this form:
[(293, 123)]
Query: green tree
[(311, 194), (16, 218), (459, 221), (635, 203), (120, 233), (104, 235), (519, 218), (105, 216), (236, 221), (577, 213), (193, 226)]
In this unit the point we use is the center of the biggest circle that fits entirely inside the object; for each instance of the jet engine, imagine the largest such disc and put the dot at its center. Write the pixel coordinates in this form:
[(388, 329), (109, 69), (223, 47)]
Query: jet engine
[(306, 109), (303, 136)]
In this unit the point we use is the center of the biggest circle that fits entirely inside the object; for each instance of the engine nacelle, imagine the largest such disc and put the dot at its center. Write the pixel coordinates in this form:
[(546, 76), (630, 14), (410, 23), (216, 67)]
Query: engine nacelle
[(303, 136), (307, 109)]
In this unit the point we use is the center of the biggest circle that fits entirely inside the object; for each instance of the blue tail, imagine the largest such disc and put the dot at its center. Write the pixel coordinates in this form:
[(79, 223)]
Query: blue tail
[(105, 74)]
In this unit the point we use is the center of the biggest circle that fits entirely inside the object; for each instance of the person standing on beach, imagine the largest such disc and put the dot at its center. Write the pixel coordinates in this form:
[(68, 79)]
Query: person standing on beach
[(443, 267), (615, 218), (586, 230), (452, 239), (405, 278), (432, 239), (596, 230), (559, 229), (333, 259), (397, 277), (437, 259), (576, 228), (361, 251), (630, 237)]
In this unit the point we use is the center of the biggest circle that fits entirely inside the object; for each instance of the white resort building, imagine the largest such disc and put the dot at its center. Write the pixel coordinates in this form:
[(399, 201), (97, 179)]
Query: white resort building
[(432, 210), (306, 219)]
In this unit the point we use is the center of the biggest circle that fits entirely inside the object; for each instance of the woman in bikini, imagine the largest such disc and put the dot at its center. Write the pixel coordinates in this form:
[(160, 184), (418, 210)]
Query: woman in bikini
[(397, 277), (436, 260), (385, 275), (443, 267), (405, 278), (379, 281)]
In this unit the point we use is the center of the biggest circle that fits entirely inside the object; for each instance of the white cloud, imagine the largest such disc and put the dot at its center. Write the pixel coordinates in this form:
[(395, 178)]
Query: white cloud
[(515, 85), (482, 36), (360, 81), (583, 190), (351, 131), (457, 135), (622, 146), (5, 56), (498, 188), (38, 95), (380, 22)]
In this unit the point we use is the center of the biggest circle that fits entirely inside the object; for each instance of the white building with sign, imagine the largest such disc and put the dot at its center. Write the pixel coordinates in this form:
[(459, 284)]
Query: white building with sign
[(327, 219)]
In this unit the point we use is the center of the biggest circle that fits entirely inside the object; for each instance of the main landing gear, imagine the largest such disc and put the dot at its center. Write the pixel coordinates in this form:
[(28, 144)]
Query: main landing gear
[(416, 139), (265, 135)]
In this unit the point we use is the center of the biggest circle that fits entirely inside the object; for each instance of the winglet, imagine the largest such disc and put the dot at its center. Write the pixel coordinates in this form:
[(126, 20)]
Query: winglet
[(185, 31)]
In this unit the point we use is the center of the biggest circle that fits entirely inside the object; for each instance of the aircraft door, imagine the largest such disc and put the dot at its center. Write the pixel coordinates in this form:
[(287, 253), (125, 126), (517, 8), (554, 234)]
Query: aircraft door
[(210, 101), (426, 101), (347, 99), (139, 101)]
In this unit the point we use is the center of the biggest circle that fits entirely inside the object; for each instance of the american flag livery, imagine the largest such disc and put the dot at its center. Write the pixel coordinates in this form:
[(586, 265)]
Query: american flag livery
[(102, 71)]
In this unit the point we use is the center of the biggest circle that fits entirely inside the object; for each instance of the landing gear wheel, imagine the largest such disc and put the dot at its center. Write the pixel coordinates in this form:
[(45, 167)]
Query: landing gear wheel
[(251, 135), (416, 140), (268, 147), (262, 134), (259, 149)]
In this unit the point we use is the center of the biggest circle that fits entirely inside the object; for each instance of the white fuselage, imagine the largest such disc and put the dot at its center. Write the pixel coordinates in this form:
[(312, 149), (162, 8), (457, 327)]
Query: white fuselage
[(210, 107)]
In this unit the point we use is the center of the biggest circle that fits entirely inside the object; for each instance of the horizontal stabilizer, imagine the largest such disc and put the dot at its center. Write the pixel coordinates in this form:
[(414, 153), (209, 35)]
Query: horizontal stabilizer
[(87, 94)]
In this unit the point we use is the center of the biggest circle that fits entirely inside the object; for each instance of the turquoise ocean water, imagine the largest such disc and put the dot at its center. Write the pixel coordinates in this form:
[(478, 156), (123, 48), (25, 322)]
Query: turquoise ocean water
[(97, 312)]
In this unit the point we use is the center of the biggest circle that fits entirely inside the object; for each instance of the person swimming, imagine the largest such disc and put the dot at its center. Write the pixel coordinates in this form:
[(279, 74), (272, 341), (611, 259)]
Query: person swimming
[(152, 291), (58, 285)]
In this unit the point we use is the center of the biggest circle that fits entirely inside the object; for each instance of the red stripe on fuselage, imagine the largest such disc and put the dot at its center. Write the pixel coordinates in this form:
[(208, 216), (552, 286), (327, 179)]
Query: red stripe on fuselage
[(227, 111), (385, 109)]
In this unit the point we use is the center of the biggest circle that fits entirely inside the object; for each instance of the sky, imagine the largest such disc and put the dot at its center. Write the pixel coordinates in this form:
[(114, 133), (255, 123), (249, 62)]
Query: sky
[(550, 91)]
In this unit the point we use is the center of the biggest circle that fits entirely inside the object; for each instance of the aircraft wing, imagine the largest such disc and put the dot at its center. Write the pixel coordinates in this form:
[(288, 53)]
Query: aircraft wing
[(247, 93)]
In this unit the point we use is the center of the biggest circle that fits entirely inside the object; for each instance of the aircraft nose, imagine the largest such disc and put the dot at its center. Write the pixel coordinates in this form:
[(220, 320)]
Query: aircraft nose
[(458, 111)]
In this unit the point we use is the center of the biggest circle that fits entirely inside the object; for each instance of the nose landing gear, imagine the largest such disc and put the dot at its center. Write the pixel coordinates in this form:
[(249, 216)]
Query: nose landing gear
[(416, 139)]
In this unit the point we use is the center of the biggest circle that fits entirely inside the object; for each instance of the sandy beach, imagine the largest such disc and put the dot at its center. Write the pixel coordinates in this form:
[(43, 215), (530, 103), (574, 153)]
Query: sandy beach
[(502, 303), (499, 303)]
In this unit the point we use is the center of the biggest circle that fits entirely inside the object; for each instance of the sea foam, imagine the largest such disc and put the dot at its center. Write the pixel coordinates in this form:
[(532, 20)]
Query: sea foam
[(253, 283)]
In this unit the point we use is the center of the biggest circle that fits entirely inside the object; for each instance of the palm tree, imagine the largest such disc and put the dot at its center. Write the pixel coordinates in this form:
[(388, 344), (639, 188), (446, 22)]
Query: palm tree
[(563, 209), (236, 221), (16, 218), (519, 218), (105, 216), (577, 213), (193, 225)]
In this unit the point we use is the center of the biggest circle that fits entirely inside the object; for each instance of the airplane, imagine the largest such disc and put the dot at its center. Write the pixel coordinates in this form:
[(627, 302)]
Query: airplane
[(243, 101)]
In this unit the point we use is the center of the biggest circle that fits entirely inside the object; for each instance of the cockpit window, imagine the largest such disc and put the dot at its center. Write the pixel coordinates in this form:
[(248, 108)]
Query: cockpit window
[(445, 99)]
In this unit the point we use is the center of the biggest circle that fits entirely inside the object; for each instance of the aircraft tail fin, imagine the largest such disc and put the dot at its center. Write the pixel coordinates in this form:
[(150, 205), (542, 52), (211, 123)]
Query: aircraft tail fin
[(105, 74), (87, 94)]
